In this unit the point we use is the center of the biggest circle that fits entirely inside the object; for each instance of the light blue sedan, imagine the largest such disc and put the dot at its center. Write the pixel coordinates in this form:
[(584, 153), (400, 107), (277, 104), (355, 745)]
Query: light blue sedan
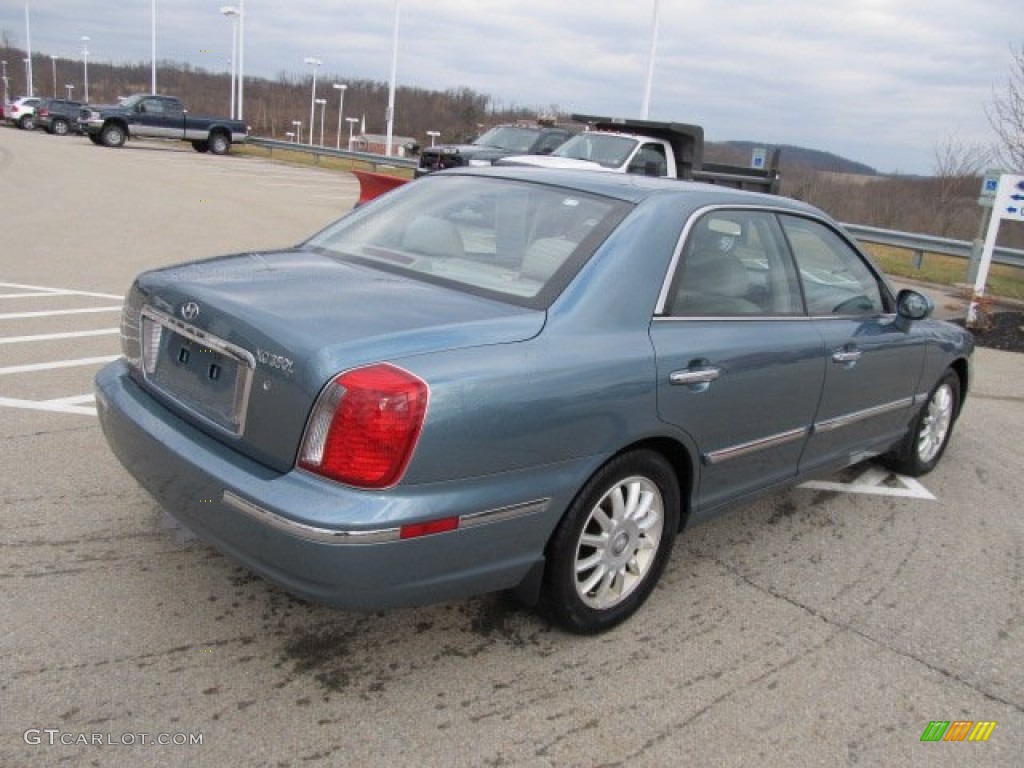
[(519, 379)]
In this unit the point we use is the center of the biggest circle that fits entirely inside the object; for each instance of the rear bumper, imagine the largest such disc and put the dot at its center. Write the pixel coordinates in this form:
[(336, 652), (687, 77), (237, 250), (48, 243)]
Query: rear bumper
[(327, 542)]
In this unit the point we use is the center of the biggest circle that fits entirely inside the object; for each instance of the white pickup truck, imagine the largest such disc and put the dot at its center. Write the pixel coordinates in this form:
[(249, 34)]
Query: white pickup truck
[(650, 148)]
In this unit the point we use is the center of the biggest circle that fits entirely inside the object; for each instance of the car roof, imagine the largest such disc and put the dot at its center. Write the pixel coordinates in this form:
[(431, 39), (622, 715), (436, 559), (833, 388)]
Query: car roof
[(634, 188)]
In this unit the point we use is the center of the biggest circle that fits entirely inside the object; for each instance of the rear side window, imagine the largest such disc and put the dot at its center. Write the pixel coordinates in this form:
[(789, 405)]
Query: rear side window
[(735, 264)]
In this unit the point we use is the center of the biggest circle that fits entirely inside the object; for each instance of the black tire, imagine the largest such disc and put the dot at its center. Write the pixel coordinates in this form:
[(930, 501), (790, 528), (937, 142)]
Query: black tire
[(220, 143), (112, 135), (609, 550), (27, 123), (60, 126), (94, 138), (929, 433), (200, 146)]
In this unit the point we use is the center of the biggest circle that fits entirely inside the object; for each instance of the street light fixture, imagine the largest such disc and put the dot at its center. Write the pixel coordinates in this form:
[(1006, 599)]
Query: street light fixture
[(351, 126), (69, 88), (433, 135), (340, 88), (314, 62), (323, 108), (233, 13), (85, 65)]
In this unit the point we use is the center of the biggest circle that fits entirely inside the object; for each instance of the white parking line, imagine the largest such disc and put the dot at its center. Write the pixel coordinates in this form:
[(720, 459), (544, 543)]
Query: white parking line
[(871, 482), (59, 291), (60, 405), (56, 312), (12, 369), (56, 336)]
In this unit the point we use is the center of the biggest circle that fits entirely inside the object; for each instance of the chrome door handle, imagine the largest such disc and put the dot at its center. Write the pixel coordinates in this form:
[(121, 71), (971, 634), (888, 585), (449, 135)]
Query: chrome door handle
[(699, 376), (846, 355)]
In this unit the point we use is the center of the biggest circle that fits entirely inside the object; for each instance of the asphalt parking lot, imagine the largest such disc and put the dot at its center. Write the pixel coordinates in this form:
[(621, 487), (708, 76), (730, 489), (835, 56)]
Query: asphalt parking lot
[(828, 625)]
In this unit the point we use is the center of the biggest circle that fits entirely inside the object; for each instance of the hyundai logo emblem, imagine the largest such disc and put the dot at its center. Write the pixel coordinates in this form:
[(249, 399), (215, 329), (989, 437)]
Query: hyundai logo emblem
[(190, 310)]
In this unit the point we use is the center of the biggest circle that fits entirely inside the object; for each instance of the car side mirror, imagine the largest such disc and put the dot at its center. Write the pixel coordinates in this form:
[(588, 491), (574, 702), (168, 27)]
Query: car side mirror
[(913, 305)]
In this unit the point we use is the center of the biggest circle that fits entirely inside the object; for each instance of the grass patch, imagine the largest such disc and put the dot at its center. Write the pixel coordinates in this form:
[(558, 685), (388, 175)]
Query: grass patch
[(1003, 280)]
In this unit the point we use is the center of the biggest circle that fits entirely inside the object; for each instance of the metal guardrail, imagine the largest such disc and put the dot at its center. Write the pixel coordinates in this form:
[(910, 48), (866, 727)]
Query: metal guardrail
[(919, 244), (922, 244), (377, 161)]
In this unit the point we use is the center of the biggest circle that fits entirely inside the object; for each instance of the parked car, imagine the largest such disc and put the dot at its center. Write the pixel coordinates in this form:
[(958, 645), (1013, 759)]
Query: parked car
[(519, 378), (22, 112), (58, 116)]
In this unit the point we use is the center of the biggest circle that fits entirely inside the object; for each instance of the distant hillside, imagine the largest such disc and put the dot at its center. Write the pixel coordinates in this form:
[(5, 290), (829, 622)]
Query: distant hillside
[(792, 157)]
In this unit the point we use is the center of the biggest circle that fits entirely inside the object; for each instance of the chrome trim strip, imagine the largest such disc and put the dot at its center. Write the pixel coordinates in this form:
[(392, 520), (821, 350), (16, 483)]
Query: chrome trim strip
[(337, 537), (308, 532), (502, 514), (717, 457), (851, 418), (200, 336), (921, 397)]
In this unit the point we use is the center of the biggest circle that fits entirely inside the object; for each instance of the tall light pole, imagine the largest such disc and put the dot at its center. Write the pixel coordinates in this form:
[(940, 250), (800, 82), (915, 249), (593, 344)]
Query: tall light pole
[(351, 126), (28, 52), (298, 130), (340, 88), (646, 107), (323, 108), (314, 62), (53, 60), (234, 14), (69, 88), (241, 54), (85, 65), (7, 82), (152, 46), (394, 75)]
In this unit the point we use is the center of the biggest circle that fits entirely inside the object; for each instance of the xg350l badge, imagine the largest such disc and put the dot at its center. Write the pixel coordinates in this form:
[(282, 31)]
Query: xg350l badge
[(189, 310), (279, 362)]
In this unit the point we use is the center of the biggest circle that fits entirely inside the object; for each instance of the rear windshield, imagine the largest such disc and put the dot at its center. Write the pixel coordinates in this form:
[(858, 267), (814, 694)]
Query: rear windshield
[(514, 241), (604, 149)]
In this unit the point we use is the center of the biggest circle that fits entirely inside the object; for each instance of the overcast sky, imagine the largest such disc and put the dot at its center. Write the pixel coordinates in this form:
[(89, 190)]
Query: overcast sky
[(877, 81)]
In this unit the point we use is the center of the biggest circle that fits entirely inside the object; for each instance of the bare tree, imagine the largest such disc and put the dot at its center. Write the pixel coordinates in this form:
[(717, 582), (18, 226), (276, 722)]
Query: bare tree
[(1006, 114)]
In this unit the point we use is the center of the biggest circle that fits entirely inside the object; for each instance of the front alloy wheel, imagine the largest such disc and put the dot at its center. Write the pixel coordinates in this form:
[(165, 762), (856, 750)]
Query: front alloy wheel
[(612, 545), (930, 431)]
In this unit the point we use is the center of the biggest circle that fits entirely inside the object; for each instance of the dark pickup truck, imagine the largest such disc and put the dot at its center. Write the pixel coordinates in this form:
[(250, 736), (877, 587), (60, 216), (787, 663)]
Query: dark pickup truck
[(159, 117), (500, 141)]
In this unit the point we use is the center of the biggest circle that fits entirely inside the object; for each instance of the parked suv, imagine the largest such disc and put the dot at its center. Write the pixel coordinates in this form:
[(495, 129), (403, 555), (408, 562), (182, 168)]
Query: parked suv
[(22, 112), (58, 116)]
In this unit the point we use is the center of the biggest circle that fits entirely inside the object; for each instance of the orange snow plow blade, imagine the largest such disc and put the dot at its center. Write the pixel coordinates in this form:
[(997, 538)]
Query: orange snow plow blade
[(372, 185)]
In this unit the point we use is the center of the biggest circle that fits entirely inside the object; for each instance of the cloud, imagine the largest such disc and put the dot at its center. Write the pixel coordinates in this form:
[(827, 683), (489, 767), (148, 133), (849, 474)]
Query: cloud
[(880, 81)]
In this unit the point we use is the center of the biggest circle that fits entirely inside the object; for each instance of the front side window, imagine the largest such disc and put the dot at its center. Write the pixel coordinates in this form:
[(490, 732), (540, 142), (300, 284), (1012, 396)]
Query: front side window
[(734, 264), (513, 241), (835, 278)]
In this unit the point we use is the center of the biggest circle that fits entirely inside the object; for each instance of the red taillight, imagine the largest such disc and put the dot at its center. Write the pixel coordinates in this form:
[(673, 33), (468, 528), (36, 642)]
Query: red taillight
[(364, 426)]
